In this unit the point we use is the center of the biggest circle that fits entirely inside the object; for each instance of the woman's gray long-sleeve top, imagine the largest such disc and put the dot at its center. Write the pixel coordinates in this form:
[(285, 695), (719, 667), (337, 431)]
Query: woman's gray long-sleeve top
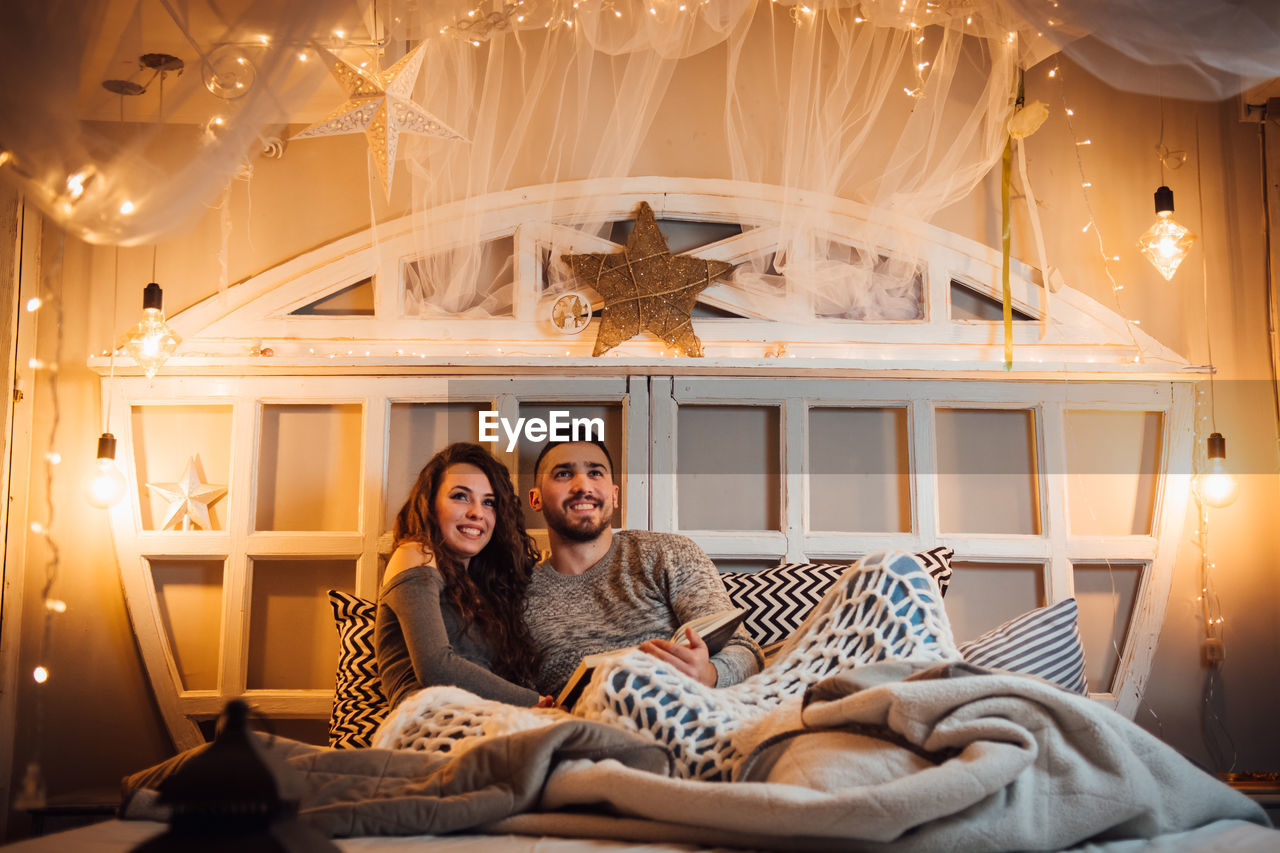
[(420, 643)]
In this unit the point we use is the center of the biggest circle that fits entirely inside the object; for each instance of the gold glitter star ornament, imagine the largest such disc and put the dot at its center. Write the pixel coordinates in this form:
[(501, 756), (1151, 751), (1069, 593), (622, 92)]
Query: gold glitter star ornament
[(188, 499), (646, 288), (379, 105)]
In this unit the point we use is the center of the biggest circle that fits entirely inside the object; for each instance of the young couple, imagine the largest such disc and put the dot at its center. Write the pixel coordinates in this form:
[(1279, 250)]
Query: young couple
[(465, 603)]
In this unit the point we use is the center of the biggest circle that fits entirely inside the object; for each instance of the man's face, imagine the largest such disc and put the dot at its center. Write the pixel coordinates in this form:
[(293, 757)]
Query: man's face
[(575, 491)]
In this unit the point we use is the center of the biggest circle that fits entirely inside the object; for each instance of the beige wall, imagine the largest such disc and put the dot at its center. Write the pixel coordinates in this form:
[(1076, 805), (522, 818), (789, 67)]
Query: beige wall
[(98, 720)]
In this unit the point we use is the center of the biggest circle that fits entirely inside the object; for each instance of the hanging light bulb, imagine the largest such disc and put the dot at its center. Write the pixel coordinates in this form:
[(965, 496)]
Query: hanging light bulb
[(1216, 486), (1166, 243), (151, 342), (105, 485)]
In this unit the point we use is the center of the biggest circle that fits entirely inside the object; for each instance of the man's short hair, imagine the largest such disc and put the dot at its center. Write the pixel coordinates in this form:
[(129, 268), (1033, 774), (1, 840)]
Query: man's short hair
[(546, 448)]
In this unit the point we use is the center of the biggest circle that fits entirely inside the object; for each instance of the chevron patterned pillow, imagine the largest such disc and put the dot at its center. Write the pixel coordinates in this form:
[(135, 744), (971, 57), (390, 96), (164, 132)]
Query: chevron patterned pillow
[(1044, 642), (358, 703), (778, 599)]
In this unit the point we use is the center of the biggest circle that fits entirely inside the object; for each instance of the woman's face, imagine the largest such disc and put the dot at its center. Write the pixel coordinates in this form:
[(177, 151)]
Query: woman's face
[(465, 509)]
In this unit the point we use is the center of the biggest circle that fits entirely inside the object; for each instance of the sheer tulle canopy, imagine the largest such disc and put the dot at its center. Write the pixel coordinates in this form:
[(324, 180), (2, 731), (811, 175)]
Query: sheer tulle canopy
[(901, 107)]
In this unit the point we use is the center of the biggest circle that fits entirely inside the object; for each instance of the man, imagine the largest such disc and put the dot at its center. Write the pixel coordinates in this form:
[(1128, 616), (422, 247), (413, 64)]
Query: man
[(602, 590)]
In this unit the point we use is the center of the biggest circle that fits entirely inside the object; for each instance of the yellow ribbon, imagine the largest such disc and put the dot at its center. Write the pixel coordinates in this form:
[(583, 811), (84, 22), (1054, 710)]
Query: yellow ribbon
[(1006, 294)]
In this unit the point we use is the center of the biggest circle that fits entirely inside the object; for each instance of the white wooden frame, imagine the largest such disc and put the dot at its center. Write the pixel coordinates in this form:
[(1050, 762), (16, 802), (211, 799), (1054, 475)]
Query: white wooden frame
[(239, 544), (388, 357), (1056, 546)]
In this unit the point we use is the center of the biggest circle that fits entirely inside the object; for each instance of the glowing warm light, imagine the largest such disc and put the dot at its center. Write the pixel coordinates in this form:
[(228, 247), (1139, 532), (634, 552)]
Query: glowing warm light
[(37, 527), (151, 342), (75, 184), (1166, 243), (55, 605), (34, 303), (105, 484), (1215, 485), (339, 34), (302, 57), (53, 458), (40, 674), (263, 39), (127, 207)]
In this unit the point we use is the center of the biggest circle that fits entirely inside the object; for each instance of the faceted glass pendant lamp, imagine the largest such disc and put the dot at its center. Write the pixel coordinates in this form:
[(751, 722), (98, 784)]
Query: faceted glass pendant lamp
[(151, 342), (1166, 243)]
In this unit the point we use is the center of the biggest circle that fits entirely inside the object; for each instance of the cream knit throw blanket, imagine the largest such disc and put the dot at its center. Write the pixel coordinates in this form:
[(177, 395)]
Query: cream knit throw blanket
[(885, 607)]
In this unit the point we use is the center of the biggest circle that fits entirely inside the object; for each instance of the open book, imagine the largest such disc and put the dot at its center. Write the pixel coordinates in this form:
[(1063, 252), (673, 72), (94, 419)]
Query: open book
[(715, 629)]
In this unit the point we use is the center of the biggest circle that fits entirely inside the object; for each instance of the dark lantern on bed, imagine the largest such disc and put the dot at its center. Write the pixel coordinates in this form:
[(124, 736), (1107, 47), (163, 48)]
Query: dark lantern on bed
[(226, 798)]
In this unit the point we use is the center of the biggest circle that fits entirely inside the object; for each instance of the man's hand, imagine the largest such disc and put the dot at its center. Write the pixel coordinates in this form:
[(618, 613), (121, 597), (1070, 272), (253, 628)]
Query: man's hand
[(693, 659)]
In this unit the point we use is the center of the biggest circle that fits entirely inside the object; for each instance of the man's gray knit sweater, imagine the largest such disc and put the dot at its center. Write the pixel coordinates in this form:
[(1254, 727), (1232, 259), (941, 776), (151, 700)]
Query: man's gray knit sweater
[(645, 587)]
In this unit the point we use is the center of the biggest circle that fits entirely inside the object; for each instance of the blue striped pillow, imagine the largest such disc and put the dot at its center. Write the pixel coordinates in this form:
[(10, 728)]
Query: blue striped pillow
[(1044, 642)]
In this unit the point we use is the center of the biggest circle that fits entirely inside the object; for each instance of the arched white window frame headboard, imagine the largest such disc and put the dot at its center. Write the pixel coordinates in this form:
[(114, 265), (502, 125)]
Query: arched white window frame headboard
[(1084, 356)]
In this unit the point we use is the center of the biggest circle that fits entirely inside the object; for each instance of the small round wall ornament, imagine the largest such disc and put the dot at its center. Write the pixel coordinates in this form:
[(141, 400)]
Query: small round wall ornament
[(570, 313)]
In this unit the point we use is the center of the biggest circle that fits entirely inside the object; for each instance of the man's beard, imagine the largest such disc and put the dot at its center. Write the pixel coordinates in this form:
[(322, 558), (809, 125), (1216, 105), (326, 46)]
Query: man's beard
[(583, 531)]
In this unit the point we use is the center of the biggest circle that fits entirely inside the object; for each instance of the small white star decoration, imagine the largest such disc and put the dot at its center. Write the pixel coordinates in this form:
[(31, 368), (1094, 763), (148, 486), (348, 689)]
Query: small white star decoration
[(188, 499), (379, 105)]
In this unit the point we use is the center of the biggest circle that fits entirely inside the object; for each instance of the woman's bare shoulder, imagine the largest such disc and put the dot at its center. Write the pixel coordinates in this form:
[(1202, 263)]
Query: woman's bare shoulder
[(409, 555)]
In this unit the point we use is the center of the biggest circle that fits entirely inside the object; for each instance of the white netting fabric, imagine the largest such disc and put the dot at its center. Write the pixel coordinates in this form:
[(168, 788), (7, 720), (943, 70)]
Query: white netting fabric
[(896, 104), (884, 607), (450, 721)]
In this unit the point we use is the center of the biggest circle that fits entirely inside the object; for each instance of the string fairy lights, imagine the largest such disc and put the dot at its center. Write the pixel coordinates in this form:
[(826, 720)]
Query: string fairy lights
[(1108, 258), (1209, 493), (31, 791)]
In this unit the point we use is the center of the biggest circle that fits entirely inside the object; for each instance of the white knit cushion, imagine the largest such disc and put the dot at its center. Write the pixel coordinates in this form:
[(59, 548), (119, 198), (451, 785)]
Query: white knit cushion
[(1044, 642)]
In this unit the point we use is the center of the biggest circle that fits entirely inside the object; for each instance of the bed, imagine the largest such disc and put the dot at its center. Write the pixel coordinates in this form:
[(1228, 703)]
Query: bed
[(902, 756)]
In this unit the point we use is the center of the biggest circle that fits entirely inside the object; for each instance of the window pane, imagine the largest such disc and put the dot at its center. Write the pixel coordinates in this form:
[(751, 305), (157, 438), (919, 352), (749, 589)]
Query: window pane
[(168, 438), (292, 641), (527, 451), (987, 471), (309, 467), (189, 600), (745, 564), (859, 470), (1105, 594), (983, 596), (416, 432), (728, 468), (1111, 472)]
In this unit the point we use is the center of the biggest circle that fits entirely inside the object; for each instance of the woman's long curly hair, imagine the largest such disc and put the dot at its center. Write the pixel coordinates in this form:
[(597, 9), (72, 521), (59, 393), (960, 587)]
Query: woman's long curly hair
[(489, 592)]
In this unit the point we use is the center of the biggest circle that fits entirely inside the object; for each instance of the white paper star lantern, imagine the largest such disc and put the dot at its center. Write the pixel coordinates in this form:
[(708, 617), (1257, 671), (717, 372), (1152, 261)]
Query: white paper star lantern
[(188, 499), (379, 105)]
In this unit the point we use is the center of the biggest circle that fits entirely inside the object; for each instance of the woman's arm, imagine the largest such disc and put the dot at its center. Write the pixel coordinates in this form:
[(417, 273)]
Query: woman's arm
[(411, 597)]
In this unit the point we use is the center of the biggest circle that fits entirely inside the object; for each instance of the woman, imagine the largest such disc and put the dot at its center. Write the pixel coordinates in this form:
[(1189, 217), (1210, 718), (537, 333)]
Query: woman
[(449, 612)]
